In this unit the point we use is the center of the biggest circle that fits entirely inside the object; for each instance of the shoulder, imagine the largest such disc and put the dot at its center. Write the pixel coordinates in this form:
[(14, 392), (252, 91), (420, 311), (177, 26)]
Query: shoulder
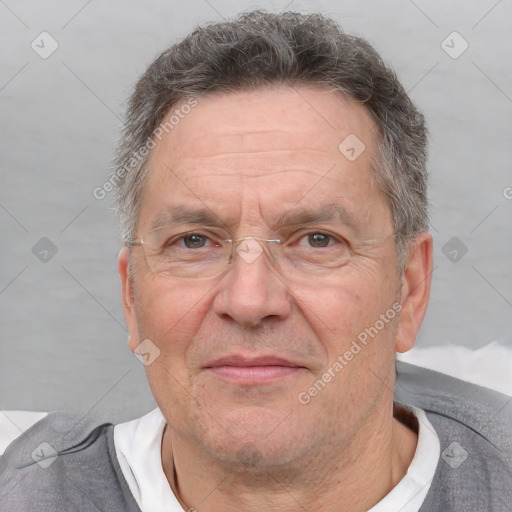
[(448, 400), (64, 461), (474, 426)]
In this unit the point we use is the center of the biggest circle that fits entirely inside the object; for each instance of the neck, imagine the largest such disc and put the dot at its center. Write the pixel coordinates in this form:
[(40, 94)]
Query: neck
[(351, 477)]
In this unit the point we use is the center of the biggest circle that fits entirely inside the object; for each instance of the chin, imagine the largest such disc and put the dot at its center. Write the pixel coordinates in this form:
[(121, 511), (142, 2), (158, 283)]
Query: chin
[(255, 439)]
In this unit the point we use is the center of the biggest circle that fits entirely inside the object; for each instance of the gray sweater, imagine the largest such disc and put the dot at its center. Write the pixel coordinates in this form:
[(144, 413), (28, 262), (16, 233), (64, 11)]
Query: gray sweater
[(68, 463)]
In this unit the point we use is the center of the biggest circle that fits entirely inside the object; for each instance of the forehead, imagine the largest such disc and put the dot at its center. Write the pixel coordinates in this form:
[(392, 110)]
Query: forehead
[(264, 149), (291, 113)]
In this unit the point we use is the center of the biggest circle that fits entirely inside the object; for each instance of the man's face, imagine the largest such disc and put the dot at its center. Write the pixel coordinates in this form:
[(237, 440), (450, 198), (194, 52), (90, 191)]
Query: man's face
[(250, 158)]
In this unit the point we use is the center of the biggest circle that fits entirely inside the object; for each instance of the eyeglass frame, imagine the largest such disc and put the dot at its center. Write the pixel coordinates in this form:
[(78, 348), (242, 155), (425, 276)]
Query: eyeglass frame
[(234, 244)]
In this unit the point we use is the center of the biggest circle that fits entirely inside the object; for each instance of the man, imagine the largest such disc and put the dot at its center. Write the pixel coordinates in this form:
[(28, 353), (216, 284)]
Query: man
[(272, 198)]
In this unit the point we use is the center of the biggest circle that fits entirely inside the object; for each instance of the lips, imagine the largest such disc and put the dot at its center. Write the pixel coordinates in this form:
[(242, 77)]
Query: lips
[(252, 370), (243, 361)]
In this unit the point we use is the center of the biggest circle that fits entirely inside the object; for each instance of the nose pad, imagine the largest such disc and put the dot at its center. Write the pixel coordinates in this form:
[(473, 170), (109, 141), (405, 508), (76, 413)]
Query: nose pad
[(251, 248)]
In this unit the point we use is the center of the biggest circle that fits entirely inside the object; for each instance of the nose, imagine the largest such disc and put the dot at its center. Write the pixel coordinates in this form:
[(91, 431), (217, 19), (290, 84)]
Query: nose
[(252, 290)]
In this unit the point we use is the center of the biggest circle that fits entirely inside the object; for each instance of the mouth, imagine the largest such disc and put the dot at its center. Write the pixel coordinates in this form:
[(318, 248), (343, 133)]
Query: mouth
[(258, 370)]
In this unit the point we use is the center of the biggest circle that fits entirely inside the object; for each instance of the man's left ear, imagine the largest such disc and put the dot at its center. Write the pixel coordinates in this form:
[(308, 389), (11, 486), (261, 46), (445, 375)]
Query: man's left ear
[(415, 291)]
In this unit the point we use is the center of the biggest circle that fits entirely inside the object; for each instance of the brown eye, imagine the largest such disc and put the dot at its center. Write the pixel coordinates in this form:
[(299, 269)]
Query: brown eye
[(319, 239), (194, 241)]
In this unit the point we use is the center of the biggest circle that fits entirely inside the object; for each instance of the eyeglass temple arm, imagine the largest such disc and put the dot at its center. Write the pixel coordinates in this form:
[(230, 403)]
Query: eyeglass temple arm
[(133, 243)]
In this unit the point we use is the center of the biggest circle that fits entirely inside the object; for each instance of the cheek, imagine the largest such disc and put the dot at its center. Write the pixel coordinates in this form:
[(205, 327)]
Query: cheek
[(170, 317), (351, 310), (169, 314), (358, 346), (339, 305)]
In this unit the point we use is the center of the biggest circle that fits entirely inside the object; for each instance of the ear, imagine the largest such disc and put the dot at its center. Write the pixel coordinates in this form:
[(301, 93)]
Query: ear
[(128, 297), (415, 291)]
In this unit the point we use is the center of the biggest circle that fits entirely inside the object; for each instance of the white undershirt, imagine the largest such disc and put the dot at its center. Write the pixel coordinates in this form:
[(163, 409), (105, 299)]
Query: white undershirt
[(138, 446)]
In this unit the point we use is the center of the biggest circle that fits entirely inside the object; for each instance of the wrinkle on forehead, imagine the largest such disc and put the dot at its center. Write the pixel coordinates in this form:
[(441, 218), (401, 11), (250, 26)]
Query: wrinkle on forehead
[(215, 154), (274, 152), (256, 164), (271, 115), (240, 130)]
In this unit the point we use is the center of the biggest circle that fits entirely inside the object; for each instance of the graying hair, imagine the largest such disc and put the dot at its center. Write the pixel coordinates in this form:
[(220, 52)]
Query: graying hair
[(259, 49)]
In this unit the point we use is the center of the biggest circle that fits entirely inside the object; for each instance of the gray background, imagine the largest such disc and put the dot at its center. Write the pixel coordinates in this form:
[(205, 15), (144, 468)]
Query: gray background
[(63, 341)]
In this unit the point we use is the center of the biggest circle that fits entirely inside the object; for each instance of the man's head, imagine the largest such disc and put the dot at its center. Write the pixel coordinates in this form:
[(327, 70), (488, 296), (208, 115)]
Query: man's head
[(286, 129), (261, 49)]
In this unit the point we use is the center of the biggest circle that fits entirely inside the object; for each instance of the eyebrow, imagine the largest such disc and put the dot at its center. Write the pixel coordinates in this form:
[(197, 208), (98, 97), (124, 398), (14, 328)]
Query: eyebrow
[(302, 217), (184, 215), (295, 217)]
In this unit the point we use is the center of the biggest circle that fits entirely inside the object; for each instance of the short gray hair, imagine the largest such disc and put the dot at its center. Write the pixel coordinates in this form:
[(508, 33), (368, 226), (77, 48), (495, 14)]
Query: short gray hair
[(258, 49)]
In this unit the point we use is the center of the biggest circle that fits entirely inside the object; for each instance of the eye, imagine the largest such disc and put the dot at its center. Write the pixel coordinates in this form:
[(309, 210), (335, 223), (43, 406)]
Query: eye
[(317, 240), (190, 240), (194, 241)]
